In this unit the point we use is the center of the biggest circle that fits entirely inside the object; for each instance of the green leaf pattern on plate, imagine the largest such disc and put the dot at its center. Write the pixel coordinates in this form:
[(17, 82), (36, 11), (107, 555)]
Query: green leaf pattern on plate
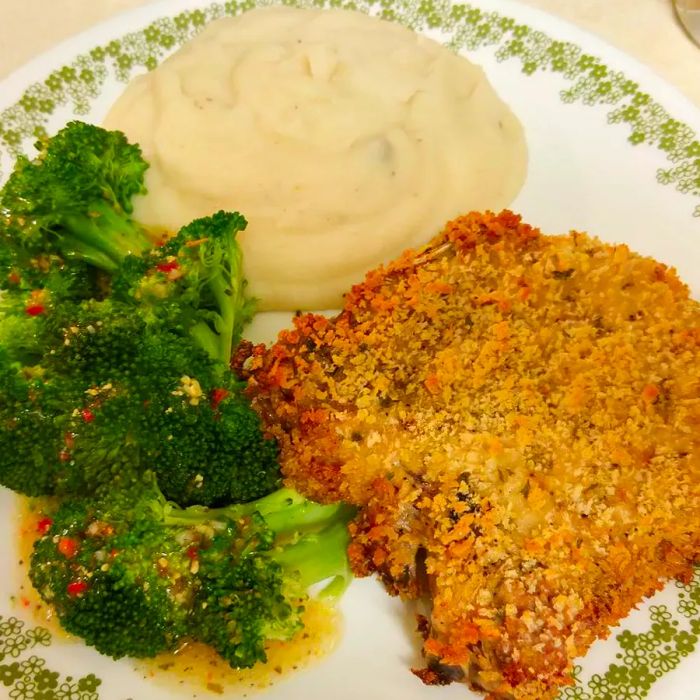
[(587, 79), (670, 636), (29, 678), (645, 657)]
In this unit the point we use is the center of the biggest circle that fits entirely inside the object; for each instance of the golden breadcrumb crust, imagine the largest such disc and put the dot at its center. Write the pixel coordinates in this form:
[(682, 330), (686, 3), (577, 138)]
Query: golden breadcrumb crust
[(518, 418)]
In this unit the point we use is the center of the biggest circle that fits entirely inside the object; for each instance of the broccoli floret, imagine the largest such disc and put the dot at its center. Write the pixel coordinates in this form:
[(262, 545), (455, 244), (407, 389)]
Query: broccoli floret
[(139, 338), (73, 201), (93, 341), (53, 442), (98, 567), (126, 396), (195, 283), (60, 363), (20, 326), (211, 259), (220, 454), (134, 575), (31, 431)]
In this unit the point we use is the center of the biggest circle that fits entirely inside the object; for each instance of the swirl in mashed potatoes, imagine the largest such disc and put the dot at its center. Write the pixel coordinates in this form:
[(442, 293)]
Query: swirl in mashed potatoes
[(342, 138)]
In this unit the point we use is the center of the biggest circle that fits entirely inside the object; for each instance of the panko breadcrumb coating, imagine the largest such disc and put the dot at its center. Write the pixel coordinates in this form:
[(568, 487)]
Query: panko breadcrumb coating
[(518, 418)]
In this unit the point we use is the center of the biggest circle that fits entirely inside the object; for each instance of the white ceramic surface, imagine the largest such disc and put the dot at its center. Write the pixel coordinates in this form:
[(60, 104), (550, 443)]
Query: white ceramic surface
[(596, 164)]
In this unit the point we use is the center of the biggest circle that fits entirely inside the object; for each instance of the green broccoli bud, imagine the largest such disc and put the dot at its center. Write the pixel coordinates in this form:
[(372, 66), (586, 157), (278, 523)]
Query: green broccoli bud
[(134, 575), (73, 202)]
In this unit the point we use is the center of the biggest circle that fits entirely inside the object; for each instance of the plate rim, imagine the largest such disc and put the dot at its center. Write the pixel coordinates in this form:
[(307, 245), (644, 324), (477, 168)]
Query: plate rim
[(136, 19), (17, 79)]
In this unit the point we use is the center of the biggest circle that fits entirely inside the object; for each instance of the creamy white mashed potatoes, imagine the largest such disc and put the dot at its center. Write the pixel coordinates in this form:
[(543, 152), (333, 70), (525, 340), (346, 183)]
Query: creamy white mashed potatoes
[(342, 138)]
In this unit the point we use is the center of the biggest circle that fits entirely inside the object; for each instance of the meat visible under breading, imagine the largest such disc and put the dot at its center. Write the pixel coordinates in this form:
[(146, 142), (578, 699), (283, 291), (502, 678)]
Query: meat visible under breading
[(519, 416)]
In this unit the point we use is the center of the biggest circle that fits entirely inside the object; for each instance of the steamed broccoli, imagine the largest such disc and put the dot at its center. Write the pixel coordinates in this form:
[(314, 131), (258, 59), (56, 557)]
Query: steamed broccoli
[(195, 283), (116, 395), (111, 396), (211, 262), (131, 341), (72, 202), (211, 451), (31, 433), (66, 227), (134, 575)]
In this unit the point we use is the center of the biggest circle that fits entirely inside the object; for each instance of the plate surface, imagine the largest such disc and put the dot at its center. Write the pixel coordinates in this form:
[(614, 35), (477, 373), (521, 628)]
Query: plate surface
[(613, 151)]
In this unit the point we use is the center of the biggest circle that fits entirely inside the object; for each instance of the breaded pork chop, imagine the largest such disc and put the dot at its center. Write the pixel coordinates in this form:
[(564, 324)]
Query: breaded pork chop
[(518, 418)]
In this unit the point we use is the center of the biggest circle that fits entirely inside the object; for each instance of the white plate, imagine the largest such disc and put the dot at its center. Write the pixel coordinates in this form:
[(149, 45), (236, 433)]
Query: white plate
[(613, 150)]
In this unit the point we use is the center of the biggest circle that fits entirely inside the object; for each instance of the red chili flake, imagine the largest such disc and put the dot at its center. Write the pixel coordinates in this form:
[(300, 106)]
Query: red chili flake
[(35, 309), (217, 396), (76, 588), (44, 525), (69, 440), (650, 393), (113, 553), (192, 552), (64, 456), (14, 278), (68, 547), (88, 415), (25, 602), (169, 266)]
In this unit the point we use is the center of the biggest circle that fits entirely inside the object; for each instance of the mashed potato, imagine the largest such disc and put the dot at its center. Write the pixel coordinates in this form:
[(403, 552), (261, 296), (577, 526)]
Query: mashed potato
[(343, 139)]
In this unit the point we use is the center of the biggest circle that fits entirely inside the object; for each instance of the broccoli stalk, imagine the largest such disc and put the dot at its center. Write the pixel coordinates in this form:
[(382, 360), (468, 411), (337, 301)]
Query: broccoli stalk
[(320, 556), (103, 237), (222, 264), (317, 555), (283, 510)]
